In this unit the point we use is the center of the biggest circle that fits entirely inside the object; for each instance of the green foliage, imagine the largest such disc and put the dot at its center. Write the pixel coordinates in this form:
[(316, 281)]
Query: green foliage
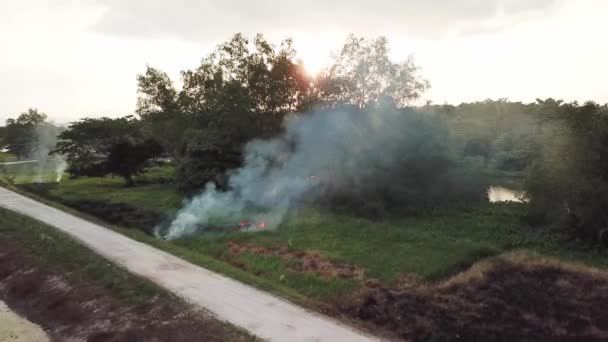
[(20, 133), (235, 78), (513, 152), (363, 75), (569, 180), (128, 159), (151, 195), (206, 156), (96, 147), (156, 93)]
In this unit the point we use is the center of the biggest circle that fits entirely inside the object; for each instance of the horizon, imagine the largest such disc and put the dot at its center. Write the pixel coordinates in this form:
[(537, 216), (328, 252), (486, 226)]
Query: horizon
[(469, 51)]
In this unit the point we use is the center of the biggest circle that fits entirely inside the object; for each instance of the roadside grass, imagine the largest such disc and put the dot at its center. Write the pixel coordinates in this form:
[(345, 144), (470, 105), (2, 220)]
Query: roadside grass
[(156, 193), (430, 247), (59, 251)]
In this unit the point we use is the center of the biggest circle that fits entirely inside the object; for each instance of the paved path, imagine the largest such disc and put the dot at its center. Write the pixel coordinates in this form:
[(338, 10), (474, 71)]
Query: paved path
[(260, 313), (14, 328), (19, 162)]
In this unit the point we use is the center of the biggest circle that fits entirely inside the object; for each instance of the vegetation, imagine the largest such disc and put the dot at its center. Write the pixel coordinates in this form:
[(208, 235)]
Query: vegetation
[(429, 247), (96, 147), (568, 181), (20, 136), (58, 251), (386, 191)]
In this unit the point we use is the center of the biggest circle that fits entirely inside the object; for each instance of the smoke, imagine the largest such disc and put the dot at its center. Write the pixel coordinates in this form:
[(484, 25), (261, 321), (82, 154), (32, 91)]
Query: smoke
[(60, 166), (50, 167), (387, 152)]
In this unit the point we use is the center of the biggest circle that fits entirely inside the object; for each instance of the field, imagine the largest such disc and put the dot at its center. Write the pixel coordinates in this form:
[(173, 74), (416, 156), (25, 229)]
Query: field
[(329, 261)]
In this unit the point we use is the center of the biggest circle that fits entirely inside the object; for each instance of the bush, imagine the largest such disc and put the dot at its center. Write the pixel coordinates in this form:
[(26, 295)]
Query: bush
[(568, 183)]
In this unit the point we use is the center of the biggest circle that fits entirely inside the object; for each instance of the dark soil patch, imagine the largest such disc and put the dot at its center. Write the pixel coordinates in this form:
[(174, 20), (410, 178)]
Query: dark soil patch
[(69, 309), (515, 299)]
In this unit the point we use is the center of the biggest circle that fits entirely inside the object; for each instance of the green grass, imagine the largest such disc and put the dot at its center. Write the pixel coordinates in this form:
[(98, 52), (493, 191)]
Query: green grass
[(7, 157), (431, 247), (59, 251), (149, 195)]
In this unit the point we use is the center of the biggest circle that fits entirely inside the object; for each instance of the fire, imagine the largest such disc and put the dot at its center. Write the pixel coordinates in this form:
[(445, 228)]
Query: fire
[(262, 225)]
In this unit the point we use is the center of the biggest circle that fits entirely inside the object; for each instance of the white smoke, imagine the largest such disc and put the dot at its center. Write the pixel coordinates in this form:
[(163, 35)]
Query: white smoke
[(60, 166), (50, 167), (336, 150)]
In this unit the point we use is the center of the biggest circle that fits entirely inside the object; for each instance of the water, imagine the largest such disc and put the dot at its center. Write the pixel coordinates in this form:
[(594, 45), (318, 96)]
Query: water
[(502, 194)]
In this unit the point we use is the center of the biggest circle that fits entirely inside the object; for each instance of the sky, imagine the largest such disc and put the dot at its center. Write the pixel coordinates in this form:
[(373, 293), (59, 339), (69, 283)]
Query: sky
[(79, 58)]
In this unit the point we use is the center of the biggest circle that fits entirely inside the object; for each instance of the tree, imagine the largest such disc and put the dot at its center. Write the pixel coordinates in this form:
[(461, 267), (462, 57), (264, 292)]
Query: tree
[(568, 182), (96, 147), (236, 78), (363, 75), (128, 159), (156, 93), (20, 138)]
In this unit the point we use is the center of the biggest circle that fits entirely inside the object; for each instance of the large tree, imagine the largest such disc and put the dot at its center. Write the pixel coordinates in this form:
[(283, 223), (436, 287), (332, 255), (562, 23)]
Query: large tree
[(95, 147), (20, 135), (244, 76), (363, 75)]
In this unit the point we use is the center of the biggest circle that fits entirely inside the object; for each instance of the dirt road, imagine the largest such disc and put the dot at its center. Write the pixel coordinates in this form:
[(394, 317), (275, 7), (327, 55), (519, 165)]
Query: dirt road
[(260, 313)]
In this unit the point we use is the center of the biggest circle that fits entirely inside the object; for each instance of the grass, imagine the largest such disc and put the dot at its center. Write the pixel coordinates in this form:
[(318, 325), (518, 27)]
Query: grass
[(59, 251), (430, 247), (6, 157), (151, 194)]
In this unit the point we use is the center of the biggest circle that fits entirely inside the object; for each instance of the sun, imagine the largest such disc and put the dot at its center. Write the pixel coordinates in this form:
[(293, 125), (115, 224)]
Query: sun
[(314, 64)]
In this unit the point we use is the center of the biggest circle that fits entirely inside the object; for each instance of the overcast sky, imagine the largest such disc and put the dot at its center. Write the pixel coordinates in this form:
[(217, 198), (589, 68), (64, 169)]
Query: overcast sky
[(76, 58)]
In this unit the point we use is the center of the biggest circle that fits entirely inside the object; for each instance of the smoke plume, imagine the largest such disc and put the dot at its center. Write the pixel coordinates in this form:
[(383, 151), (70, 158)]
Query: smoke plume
[(50, 167), (398, 154)]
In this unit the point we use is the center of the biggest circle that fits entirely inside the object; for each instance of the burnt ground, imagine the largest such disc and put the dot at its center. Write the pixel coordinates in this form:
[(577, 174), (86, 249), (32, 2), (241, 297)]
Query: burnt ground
[(516, 297), (72, 310)]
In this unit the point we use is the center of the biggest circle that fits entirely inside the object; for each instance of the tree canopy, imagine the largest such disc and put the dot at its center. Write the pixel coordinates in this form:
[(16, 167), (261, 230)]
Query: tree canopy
[(95, 147), (363, 75), (20, 133)]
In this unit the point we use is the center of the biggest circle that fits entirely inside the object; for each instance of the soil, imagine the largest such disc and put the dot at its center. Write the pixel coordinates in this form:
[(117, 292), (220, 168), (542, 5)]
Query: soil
[(514, 298), (69, 309), (511, 300)]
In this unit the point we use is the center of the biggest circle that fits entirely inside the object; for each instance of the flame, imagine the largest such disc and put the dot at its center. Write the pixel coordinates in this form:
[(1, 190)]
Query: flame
[(262, 225)]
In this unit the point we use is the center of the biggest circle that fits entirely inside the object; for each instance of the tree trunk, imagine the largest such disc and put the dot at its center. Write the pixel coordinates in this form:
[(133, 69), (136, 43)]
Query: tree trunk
[(128, 180)]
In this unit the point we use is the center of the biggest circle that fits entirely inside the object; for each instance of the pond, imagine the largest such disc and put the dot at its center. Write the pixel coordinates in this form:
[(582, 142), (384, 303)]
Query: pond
[(502, 194)]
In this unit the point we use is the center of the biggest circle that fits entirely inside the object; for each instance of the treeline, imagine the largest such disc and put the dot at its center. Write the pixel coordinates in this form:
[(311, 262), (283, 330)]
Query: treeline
[(245, 90)]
